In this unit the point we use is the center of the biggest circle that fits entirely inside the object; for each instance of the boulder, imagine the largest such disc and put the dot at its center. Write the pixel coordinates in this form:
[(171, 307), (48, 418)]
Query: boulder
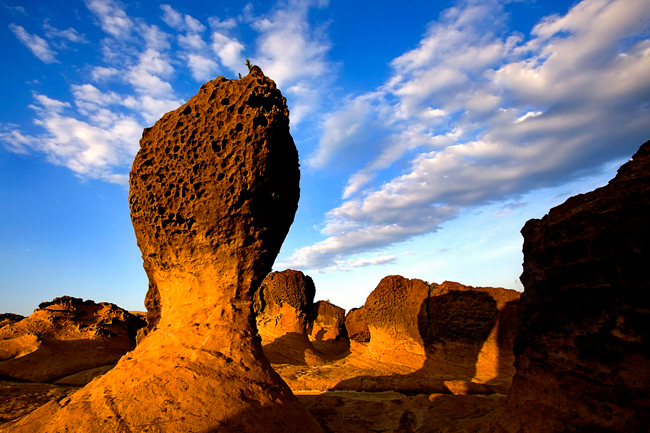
[(327, 329), (65, 337), (356, 326), (583, 347), (283, 306), (213, 192)]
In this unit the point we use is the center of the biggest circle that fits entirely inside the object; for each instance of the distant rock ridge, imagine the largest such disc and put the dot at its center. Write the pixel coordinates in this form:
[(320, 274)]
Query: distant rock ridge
[(583, 347), (409, 336), (65, 337), (213, 192)]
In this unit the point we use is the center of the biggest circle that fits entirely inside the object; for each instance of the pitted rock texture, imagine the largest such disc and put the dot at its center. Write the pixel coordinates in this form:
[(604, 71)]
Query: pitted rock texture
[(356, 325), (283, 306), (327, 329), (422, 338), (214, 190), (65, 337), (583, 348)]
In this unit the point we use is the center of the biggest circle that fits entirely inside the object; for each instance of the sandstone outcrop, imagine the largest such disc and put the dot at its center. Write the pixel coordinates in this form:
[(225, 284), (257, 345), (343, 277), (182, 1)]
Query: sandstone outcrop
[(283, 306), (411, 336), (65, 337), (356, 325), (327, 329), (583, 348), (213, 192)]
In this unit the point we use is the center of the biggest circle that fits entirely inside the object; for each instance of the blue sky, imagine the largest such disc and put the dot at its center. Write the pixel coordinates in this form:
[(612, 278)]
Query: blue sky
[(428, 132)]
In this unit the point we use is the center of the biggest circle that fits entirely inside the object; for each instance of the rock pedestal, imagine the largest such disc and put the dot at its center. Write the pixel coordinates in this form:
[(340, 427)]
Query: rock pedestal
[(214, 190)]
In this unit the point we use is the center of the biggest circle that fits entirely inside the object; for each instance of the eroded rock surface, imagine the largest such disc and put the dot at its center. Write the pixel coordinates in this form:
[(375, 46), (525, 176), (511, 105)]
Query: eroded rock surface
[(327, 329), (425, 338), (65, 337), (214, 189), (283, 307), (583, 350), (356, 325)]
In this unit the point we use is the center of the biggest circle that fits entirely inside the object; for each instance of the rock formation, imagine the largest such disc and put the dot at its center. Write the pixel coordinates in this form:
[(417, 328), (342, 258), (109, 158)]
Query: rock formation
[(64, 337), (412, 336), (214, 189), (583, 348), (283, 306), (356, 325), (327, 329)]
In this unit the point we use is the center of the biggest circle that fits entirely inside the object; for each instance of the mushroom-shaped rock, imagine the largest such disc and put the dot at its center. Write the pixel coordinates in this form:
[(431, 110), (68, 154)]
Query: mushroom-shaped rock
[(214, 190)]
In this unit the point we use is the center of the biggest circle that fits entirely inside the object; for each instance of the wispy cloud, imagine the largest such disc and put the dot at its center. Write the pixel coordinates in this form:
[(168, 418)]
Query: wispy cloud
[(37, 45), (480, 116), (294, 53), (112, 17), (95, 133), (68, 34)]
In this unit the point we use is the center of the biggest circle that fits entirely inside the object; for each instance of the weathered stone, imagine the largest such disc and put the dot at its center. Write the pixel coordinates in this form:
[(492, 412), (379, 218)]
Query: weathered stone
[(327, 329), (356, 325), (283, 307), (214, 189), (583, 348), (65, 337)]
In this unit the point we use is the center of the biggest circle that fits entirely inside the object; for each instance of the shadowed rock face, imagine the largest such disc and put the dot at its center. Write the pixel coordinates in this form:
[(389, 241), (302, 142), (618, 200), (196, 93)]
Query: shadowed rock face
[(214, 189), (583, 350)]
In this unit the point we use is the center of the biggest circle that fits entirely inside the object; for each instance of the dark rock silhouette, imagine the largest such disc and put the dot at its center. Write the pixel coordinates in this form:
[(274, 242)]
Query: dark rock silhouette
[(214, 190), (583, 348)]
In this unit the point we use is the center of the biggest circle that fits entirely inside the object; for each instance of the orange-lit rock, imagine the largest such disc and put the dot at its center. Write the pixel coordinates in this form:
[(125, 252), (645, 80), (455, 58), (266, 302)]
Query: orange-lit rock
[(356, 325), (214, 189), (64, 337), (283, 306), (327, 329)]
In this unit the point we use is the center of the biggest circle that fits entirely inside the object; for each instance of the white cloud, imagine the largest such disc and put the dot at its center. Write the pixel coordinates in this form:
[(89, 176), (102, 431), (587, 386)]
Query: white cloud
[(510, 116), (37, 45), (229, 51), (180, 22), (112, 17), (203, 69), (69, 34), (88, 149), (294, 53), (100, 73)]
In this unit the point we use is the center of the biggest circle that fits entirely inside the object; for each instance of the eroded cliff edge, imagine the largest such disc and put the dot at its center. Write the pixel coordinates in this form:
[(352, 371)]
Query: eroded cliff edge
[(583, 347)]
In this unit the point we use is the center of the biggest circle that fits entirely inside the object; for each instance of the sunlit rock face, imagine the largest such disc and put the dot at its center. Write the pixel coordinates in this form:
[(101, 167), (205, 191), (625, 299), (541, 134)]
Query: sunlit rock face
[(67, 336), (283, 307), (214, 189), (446, 328), (327, 329), (356, 326), (583, 350)]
